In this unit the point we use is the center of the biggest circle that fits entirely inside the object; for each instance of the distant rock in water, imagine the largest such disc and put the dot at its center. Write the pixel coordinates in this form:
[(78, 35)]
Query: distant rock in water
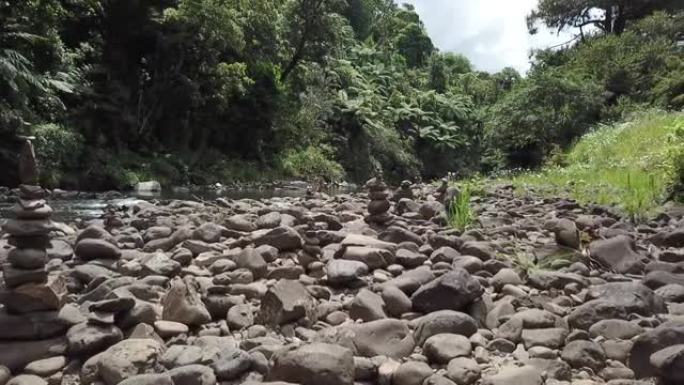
[(148, 187)]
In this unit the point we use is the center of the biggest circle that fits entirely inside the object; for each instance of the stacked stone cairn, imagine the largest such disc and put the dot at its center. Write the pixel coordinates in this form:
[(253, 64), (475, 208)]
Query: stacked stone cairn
[(310, 256), (28, 288), (379, 204), (30, 297), (403, 192)]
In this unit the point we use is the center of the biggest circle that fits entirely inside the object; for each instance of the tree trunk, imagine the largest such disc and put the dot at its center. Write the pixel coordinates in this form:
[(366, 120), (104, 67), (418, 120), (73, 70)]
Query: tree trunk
[(608, 21), (620, 21)]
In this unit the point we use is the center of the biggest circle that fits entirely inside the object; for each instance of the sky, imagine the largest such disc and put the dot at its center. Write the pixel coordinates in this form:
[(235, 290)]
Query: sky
[(491, 33)]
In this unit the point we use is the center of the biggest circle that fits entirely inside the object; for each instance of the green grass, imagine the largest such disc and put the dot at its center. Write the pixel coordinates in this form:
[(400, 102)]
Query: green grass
[(460, 214), (632, 165)]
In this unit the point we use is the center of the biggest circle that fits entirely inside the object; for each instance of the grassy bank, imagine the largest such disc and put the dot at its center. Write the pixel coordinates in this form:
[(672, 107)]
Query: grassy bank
[(634, 166)]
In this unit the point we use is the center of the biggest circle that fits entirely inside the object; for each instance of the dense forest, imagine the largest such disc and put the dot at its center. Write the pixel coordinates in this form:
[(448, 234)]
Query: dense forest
[(204, 91)]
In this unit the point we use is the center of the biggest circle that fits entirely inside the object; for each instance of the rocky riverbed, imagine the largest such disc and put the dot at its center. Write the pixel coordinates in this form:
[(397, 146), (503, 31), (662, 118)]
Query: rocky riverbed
[(352, 289)]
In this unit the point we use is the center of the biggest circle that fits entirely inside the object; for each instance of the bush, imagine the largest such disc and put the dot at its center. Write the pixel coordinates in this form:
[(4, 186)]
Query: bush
[(312, 164), (58, 149), (549, 109)]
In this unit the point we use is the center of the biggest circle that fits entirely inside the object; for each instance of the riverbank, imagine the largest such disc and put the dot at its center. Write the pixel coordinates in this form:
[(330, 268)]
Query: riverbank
[(307, 290), (634, 166), (70, 205)]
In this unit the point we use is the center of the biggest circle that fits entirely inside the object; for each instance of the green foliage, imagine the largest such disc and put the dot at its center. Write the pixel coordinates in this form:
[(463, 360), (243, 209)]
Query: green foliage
[(460, 214), (610, 16), (633, 165), (546, 110), (205, 91), (57, 149), (312, 164)]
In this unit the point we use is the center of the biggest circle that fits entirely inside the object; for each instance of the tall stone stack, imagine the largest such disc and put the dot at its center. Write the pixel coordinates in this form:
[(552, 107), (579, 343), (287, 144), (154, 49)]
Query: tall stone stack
[(27, 286), (379, 204)]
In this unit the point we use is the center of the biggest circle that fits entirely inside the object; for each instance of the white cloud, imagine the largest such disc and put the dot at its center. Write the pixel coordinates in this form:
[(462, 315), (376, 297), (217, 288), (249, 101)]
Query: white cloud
[(491, 33)]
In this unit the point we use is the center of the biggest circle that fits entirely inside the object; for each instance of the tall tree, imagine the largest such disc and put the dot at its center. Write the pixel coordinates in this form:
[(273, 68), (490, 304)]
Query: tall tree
[(609, 16), (314, 28)]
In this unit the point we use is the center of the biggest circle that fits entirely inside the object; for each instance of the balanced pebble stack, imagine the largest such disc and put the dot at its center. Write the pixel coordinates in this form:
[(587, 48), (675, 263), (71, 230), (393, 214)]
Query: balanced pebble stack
[(28, 288), (379, 204)]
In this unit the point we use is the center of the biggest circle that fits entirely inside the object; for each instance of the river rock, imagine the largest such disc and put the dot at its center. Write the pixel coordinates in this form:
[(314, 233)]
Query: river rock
[(387, 337), (129, 358), (442, 348), (151, 186), (367, 306), (87, 339), (287, 301), (411, 373), (182, 303), (240, 317), (192, 375), (60, 249), (27, 379), (412, 280), (47, 366), (5, 375), (444, 321), (669, 363), (90, 248), (16, 355), (269, 220), (314, 364), (615, 300), (410, 259), (374, 258), (396, 301), (552, 338), (582, 353), (452, 291), (230, 363), (344, 273), (430, 209), (282, 238), (661, 337), (463, 371), (615, 329), (252, 260), (241, 222), (566, 233), (159, 264), (524, 375), (618, 254)]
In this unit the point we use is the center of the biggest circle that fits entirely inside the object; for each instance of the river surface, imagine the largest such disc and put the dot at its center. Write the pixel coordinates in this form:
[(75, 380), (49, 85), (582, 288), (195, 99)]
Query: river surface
[(89, 206)]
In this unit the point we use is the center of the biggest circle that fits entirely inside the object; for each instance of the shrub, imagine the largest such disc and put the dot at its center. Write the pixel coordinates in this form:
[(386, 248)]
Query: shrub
[(57, 149), (312, 164)]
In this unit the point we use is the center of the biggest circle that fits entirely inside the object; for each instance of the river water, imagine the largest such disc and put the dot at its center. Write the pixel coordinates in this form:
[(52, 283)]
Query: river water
[(89, 206)]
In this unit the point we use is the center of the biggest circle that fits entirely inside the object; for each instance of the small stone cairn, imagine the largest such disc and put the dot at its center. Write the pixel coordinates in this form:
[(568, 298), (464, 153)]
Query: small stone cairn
[(379, 204), (28, 288), (403, 192)]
